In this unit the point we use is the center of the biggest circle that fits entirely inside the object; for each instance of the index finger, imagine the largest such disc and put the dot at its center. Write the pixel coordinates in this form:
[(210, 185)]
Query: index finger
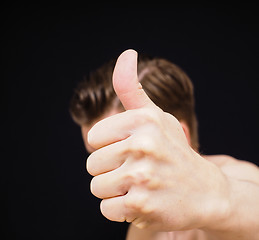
[(120, 126)]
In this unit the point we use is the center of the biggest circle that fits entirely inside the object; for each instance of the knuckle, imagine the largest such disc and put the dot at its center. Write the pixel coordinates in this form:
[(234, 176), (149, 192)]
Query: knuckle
[(95, 137), (95, 187), (107, 210), (91, 137), (91, 164), (135, 203), (139, 203), (143, 143), (146, 115), (150, 115), (104, 209), (142, 174)]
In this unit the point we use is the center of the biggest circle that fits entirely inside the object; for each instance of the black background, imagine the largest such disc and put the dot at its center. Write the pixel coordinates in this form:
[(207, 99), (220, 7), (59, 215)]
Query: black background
[(45, 186)]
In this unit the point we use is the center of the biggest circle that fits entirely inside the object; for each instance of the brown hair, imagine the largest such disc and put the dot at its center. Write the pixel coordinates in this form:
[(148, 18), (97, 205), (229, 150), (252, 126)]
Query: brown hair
[(165, 83)]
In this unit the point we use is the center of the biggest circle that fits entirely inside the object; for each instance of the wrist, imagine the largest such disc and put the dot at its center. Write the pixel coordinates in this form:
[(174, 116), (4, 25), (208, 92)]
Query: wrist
[(218, 208), (227, 217)]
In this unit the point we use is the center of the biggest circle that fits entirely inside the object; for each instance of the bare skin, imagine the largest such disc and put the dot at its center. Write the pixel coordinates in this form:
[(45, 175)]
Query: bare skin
[(232, 168), (147, 173)]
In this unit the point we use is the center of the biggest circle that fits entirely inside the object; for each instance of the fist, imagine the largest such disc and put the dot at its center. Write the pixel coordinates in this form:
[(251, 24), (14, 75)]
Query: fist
[(143, 167)]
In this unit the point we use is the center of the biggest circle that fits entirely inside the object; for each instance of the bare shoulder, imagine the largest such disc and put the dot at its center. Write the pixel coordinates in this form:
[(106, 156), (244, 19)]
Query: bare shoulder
[(235, 168)]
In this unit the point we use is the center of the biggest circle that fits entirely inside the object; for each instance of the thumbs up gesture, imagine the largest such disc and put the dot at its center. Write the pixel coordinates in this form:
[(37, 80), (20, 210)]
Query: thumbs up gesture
[(143, 167)]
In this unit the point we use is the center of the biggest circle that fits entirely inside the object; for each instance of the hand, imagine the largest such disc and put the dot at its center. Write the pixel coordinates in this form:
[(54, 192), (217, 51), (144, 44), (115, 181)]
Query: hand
[(145, 171)]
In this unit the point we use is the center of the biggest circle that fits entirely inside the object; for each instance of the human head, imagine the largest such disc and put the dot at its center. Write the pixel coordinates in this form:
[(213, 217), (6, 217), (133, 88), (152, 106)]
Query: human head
[(167, 85)]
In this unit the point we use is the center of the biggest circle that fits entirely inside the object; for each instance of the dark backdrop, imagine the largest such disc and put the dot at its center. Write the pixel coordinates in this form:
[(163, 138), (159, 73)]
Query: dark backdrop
[(45, 52)]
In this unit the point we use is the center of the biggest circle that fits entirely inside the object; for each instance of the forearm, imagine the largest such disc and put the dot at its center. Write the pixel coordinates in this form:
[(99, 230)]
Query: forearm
[(241, 221)]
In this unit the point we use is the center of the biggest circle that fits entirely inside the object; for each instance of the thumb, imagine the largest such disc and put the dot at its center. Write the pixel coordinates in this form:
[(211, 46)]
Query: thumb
[(126, 84)]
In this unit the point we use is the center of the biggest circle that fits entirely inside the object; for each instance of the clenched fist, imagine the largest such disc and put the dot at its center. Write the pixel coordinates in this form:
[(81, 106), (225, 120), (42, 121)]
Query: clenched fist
[(144, 169)]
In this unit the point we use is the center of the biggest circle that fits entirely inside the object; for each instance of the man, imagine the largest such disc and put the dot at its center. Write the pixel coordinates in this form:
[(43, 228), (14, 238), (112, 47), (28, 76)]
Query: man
[(145, 159)]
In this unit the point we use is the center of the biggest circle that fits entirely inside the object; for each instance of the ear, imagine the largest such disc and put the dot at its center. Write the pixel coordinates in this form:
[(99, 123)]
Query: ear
[(186, 131)]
